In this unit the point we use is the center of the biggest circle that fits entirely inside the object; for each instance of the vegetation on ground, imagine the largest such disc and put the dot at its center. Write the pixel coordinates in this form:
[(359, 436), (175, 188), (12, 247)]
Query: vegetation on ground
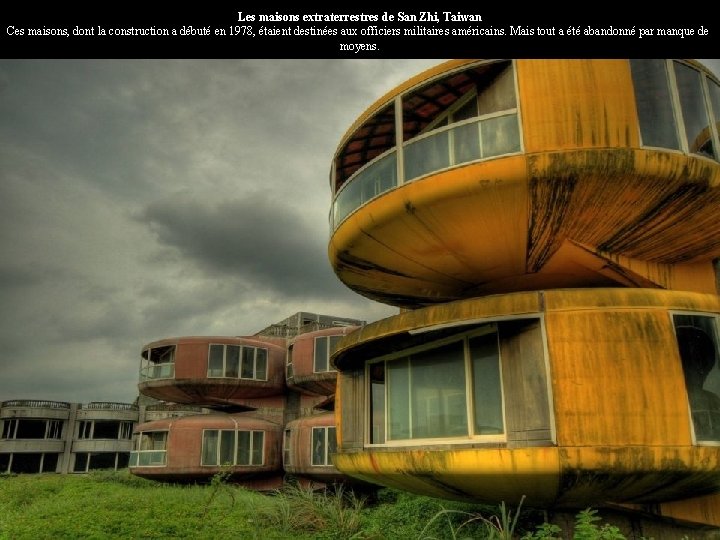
[(108, 504)]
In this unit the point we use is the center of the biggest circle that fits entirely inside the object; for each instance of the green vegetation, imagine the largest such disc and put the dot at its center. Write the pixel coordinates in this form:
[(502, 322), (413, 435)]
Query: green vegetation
[(107, 504)]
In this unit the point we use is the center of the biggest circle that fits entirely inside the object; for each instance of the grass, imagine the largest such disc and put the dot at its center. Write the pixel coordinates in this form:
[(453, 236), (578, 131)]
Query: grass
[(107, 505)]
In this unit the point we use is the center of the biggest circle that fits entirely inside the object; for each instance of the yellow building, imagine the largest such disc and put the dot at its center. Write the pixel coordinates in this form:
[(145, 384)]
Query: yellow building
[(552, 230)]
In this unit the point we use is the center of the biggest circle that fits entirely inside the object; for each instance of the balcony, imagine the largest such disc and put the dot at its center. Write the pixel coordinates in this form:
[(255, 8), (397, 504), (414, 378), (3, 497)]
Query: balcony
[(476, 139)]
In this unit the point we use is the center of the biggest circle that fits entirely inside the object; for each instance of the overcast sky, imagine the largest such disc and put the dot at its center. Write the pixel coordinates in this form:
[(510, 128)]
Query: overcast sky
[(146, 199)]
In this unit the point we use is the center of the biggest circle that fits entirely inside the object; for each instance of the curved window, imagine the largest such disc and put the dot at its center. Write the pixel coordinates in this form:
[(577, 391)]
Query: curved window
[(324, 445), (697, 337), (408, 400), (324, 347), (237, 361), (462, 117), (677, 106), (229, 447), (158, 363), (150, 448)]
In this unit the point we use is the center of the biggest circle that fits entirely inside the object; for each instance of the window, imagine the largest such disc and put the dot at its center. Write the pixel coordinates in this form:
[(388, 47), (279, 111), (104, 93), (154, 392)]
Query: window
[(480, 124), (286, 447), (158, 363), (324, 444), (229, 447), (455, 119), (324, 347), (104, 429), (697, 338), (9, 427), (233, 361), (409, 401), (31, 428), (150, 449), (673, 94), (91, 461)]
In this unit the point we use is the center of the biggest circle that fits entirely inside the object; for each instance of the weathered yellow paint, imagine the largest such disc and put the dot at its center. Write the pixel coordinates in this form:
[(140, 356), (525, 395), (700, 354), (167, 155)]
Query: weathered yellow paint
[(639, 365), (486, 307), (622, 426), (549, 476), (500, 226), (475, 474), (577, 104)]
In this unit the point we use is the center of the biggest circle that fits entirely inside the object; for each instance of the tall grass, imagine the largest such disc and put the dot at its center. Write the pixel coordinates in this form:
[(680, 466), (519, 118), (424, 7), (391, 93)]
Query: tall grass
[(108, 505)]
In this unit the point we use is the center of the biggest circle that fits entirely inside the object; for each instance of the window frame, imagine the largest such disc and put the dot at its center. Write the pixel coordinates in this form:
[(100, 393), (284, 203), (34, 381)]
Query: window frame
[(327, 462), (489, 327), (679, 114), (241, 356), (137, 451), (328, 352), (236, 438), (716, 327)]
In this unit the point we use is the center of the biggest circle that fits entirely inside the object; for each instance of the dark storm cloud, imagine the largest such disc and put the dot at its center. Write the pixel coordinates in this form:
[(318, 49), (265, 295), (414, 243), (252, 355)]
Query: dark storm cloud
[(261, 239)]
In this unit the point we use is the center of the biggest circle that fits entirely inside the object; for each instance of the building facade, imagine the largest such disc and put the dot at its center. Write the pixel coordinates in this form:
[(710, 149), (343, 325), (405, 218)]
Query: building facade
[(259, 406), (549, 229), (269, 399), (56, 436)]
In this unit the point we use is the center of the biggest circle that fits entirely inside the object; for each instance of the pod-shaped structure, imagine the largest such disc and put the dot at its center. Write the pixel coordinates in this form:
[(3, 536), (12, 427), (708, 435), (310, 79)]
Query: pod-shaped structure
[(212, 371), (484, 177), (198, 447), (309, 369), (308, 446), (568, 397)]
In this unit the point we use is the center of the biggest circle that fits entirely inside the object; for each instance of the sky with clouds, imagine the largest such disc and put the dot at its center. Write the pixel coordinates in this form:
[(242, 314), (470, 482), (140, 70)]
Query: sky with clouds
[(144, 199)]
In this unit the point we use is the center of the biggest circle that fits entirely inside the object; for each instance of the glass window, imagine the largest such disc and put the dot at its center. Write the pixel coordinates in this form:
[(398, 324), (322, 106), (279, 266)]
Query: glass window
[(418, 404), (694, 111), (231, 361), (487, 396), (500, 135), (698, 347), (248, 363), (321, 354), (654, 103), (258, 445), (426, 155), (714, 90), (324, 348), (209, 447), (324, 445), (261, 364), (216, 367), (488, 97), (150, 449), (377, 403), (232, 367), (158, 363), (286, 447), (229, 447)]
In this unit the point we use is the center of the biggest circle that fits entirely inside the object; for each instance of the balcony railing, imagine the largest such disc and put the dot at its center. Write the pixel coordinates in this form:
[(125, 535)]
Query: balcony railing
[(109, 406), (148, 458), (158, 371), (36, 403), (471, 140)]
